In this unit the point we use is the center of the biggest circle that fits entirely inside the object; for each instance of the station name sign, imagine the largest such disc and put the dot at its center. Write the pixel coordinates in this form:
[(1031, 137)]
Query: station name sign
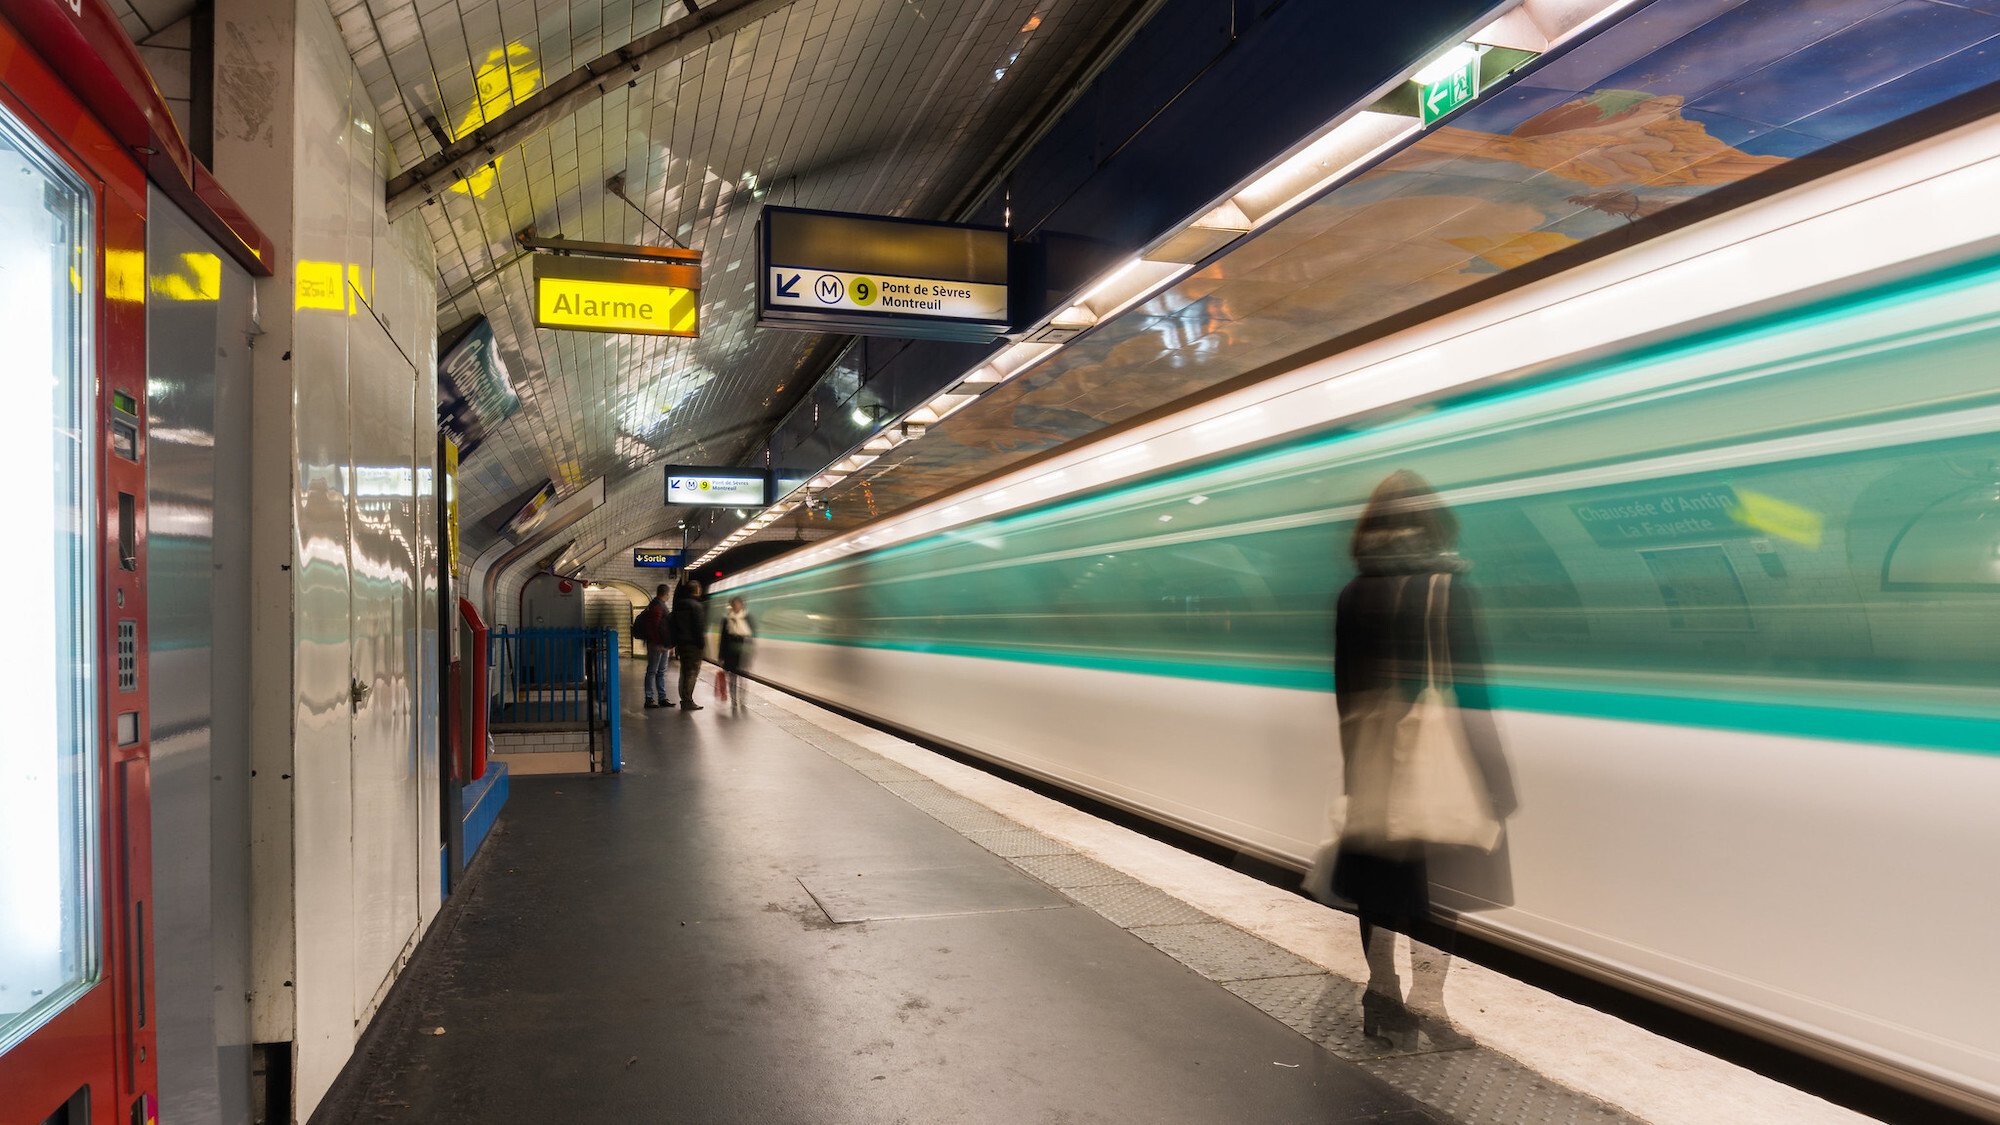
[(717, 487), (649, 556), (877, 276), (645, 298)]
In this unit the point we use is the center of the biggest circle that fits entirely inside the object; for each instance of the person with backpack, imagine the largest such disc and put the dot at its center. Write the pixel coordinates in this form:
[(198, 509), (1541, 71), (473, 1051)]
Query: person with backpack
[(655, 627)]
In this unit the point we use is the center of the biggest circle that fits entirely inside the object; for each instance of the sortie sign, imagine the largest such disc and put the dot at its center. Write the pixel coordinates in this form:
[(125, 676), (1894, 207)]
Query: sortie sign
[(646, 298), (878, 276)]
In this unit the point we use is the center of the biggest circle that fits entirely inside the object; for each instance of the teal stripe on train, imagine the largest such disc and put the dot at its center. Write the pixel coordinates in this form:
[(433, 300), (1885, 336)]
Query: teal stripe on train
[(1810, 500), (1797, 718)]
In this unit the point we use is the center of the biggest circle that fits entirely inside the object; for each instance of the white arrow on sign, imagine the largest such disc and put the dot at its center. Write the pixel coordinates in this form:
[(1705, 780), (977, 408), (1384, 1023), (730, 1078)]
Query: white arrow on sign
[(1438, 93)]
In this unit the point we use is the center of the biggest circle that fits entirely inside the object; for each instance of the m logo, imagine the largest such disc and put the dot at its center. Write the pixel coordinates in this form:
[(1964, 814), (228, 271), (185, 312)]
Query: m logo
[(829, 289)]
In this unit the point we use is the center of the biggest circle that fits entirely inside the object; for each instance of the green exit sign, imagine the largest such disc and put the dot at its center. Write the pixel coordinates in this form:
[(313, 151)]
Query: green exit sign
[(1450, 90)]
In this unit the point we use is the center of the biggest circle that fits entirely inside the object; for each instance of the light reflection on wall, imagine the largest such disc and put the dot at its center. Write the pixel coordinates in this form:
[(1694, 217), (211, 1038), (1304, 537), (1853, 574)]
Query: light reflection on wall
[(509, 74), (196, 276), (331, 286)]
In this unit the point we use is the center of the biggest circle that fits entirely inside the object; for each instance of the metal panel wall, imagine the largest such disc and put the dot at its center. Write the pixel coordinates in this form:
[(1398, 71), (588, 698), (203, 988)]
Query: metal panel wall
[(198, 383), (366, 872), (346, 821)]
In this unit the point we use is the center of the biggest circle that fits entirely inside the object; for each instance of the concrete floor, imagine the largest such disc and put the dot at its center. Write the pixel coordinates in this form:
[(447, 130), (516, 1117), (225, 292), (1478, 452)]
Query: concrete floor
[(668, 945)]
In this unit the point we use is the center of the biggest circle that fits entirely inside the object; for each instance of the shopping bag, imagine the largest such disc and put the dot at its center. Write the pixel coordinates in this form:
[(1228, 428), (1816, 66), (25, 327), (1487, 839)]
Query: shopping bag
[(1436, 794), (722, 685)]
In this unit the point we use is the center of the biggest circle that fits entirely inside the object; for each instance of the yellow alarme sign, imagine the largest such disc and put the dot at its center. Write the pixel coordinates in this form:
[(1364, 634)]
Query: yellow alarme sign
[(615, 306)]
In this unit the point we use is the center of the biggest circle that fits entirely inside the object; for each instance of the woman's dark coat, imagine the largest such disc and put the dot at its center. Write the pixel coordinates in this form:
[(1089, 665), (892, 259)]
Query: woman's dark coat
[(1378, 655)]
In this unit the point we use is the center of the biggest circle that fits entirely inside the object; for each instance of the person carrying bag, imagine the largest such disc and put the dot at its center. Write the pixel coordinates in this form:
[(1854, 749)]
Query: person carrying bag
[(734, 648), (1414, 772), (1422, 784)]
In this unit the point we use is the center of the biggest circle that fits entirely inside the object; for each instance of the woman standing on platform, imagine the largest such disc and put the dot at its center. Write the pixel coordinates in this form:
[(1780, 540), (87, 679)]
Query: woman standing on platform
[(737, 633), (1425, 786)]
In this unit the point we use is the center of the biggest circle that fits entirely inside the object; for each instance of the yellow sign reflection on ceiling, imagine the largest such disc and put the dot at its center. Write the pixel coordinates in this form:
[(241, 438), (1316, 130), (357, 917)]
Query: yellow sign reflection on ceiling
[(509, 74), (595, 295)]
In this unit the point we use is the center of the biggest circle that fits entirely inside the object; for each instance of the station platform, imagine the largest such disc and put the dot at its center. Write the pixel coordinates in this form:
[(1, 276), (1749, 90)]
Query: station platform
[(776, 914)]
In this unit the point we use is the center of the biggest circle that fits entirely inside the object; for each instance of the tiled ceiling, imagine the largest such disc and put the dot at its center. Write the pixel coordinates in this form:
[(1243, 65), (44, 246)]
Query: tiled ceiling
[(892, 106), (1678, 100), (143, 19)]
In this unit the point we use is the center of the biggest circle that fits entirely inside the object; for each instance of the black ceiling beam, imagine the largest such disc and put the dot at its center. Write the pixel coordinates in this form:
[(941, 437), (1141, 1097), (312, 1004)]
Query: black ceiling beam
[(423, 181)]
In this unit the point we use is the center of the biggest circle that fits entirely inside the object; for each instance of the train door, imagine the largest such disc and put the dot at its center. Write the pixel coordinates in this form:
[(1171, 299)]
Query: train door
[(76, 1028)]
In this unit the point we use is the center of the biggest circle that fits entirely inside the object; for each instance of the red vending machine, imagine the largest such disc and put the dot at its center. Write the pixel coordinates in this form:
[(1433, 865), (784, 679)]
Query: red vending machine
[(79, 140)]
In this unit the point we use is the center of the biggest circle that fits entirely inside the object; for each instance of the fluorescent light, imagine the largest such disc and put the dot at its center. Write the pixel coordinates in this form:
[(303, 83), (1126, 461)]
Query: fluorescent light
[(1108, 284), (1306, 173), (949, 403), (1129, 285), (1446, 64), (1019, 357), (1075, 317)]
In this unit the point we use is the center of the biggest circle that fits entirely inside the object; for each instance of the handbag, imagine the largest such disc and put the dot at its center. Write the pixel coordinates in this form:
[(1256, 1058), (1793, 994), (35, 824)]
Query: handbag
[(1411, 776), (1436, 794), (722, 685)]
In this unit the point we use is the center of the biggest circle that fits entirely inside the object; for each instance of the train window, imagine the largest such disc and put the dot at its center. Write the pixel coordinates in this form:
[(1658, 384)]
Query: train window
[(49, 925), (1699, 588)]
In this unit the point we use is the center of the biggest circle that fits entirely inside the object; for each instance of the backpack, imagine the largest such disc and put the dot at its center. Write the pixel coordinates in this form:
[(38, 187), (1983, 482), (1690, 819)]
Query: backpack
[(651, 626)]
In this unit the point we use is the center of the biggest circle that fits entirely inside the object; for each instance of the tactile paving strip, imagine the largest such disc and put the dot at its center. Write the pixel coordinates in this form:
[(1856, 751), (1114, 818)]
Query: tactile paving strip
[(1129, 905), (1327, 1010), (949, 808), (887, 771), (970, 817), (1014, 842), (1479, 1087), (1222, 952), (1065, 871)]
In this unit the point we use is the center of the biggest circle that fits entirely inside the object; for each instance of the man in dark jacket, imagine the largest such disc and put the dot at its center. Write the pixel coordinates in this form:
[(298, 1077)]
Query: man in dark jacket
[(656, 629), (689, 624)]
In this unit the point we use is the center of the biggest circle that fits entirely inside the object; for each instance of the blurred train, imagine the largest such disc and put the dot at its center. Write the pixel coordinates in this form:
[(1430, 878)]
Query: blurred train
[(1737, 533)]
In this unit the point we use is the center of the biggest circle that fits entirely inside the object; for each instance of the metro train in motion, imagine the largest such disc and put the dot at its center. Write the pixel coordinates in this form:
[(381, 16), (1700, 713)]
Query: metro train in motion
[(1737, 534)]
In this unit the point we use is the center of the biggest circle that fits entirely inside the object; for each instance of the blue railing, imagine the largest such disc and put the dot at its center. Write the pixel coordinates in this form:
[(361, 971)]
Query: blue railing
[(558, 679)]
